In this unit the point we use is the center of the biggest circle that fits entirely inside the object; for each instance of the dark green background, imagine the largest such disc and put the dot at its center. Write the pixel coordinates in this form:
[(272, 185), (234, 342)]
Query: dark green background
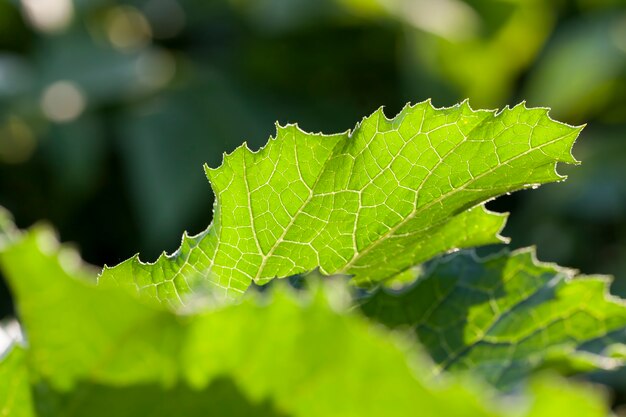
[(171, 84)]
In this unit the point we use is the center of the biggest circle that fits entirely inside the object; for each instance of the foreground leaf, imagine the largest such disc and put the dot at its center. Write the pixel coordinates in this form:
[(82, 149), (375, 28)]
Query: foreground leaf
[(57, 303), (15, 395), (507, 315), (280, 356), (369, 203)]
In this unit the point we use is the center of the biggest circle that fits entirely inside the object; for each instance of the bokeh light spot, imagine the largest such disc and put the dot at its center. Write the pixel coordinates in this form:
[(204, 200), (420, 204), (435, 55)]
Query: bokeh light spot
[(127, 28), (155, 68), (453, 20), (63, 101), (17, 141), (48, 15)]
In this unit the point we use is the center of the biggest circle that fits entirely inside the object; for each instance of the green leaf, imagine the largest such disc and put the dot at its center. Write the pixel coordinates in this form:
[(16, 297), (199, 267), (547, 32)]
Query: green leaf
[(278, 355), (369, 203), (57, 302), (221, 398), (552, 397), (15, 396), (506, 315)]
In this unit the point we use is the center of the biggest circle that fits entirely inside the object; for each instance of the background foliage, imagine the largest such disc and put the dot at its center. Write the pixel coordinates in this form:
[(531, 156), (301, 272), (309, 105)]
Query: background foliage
[(109, 109)]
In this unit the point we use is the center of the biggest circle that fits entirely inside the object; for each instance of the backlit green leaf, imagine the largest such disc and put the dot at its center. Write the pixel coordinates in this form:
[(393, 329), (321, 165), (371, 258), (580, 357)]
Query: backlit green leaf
[(370, 203)]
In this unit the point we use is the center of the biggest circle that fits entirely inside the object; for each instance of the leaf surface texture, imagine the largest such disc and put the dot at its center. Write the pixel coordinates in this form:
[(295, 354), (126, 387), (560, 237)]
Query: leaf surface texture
[(507, 315), (371, 202)]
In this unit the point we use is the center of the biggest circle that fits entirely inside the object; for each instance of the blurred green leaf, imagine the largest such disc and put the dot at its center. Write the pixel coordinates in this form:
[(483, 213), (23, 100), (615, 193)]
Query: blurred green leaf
[(280, 354), (15, 395), (485, 60), (581, 67)]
